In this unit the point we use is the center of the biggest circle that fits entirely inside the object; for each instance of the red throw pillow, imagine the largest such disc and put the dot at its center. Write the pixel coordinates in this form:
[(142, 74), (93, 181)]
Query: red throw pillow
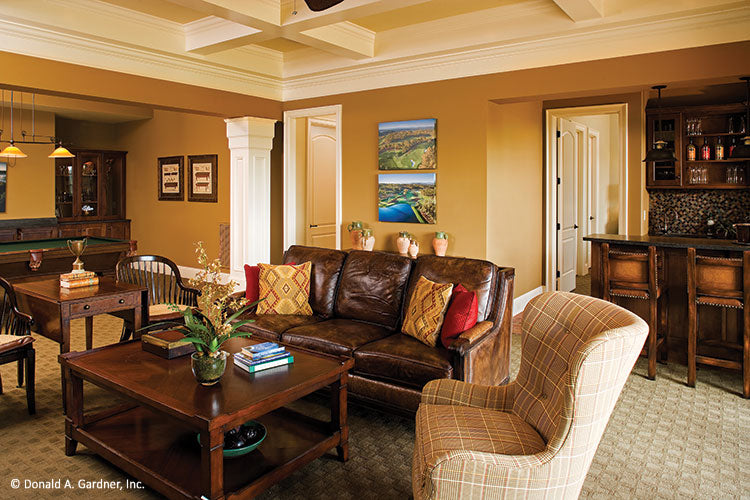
[(461, 314), (252, 277)]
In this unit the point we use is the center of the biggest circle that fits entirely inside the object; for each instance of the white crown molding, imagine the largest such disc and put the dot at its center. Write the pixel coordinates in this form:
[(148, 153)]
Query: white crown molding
[(591, 43), (16, 37), (121, 14)]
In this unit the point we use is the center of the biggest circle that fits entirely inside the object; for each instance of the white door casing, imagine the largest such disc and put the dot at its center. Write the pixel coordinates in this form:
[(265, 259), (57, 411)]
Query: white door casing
[(320, 224), (592, 222), (567, 205), (582, 164)]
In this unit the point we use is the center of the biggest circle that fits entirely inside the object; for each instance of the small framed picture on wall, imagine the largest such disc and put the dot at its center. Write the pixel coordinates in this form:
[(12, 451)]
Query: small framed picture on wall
[(202, 185), (171, 178), (3, 185)]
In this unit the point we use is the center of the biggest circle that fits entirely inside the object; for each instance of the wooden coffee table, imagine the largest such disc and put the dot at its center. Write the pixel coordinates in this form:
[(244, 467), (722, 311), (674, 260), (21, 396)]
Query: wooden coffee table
[(153, 437)]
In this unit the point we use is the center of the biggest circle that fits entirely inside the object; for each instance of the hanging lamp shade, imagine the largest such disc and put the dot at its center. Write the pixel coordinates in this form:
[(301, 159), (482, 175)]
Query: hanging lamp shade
[(660, 152), (12, 152), (61, 152)]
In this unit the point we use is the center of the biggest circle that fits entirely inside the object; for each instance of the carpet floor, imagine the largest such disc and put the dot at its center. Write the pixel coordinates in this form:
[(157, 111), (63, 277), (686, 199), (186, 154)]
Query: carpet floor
[(664, 440)]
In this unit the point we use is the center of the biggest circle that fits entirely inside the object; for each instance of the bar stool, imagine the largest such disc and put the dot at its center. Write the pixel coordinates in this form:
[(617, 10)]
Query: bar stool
[(721, 282), (627, 272)]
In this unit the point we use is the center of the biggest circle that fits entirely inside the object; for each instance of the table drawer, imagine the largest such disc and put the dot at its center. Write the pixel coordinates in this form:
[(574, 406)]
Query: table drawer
[(103, 305)]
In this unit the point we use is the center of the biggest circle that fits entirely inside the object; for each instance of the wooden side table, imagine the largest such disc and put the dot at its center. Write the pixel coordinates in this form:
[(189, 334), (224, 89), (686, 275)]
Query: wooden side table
[(52, 307)]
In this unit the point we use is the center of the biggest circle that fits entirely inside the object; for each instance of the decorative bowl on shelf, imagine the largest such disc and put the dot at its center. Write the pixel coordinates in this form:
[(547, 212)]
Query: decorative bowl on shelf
[(243, 439)]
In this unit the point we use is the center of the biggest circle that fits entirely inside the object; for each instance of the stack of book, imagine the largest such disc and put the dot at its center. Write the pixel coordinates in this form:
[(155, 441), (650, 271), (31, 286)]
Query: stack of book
[(77, 280), (263, 356)]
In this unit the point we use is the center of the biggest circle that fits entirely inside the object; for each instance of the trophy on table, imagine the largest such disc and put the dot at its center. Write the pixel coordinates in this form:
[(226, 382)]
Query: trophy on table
[(77, 247)]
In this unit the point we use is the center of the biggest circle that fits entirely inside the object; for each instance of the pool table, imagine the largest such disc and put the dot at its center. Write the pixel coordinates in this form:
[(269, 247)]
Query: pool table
[(30, 259)]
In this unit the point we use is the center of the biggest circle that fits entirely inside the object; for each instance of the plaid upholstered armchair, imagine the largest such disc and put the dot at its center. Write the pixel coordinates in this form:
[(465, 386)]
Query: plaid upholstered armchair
[(536, 436)]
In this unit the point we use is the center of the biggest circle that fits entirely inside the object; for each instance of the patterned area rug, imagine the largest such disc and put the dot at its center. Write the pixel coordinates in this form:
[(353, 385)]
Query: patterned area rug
[(664, 440)]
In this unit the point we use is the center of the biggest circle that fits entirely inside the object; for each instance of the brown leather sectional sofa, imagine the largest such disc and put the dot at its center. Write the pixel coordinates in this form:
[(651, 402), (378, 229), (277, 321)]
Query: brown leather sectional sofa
[(358, 300)]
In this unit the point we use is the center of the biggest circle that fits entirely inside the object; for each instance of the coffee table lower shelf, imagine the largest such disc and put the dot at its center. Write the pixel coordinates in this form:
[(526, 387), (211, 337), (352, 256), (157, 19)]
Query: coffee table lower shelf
[(164, 453)]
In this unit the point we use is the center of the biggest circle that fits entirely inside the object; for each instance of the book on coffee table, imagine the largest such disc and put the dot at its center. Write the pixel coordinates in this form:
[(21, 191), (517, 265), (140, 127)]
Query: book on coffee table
[(254, 367)]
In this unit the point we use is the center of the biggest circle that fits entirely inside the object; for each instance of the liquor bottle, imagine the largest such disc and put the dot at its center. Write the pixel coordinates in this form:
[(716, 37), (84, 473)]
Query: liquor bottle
[(691, 150), (705, 150), (732, 146), (719, 150)]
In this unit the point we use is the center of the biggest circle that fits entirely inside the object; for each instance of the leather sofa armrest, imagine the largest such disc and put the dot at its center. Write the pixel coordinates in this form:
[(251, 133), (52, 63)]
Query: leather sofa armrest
[(471, 337)]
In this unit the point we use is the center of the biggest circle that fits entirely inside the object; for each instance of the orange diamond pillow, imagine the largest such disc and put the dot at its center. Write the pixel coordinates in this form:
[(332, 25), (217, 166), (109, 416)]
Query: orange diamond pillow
[(426, 310), (286, 289)]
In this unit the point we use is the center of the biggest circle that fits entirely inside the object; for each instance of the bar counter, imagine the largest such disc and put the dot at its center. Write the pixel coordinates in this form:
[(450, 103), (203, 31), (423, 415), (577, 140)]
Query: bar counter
[(715, 323)]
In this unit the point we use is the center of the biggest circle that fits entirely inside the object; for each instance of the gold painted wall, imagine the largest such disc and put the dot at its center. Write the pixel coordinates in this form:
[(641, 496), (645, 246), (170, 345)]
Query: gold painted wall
[(515, 191), (171, 228), (31, 182)]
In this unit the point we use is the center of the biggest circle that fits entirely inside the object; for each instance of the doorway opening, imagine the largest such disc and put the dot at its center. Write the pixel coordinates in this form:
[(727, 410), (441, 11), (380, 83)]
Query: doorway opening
[(312, 177), (586, 188)]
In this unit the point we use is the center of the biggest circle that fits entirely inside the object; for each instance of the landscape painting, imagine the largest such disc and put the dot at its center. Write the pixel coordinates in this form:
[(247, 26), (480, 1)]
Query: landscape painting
[(409, 145), (407, 198)]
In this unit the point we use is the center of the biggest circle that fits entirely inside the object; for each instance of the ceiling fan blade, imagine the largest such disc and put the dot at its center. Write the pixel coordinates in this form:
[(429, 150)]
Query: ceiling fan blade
[(318, 5)]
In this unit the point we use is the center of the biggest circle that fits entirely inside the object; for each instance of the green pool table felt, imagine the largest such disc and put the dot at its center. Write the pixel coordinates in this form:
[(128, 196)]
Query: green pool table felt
[(21, 246)]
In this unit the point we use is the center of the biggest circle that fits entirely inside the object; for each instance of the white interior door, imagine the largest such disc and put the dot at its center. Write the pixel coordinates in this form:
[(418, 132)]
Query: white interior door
[(567, 204), (321, 184)]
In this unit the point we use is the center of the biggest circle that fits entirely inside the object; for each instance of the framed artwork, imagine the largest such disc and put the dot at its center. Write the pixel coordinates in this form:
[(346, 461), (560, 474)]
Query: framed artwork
[(3, 185), (202, 170), (171, 178), (407, 198), (410, 145)]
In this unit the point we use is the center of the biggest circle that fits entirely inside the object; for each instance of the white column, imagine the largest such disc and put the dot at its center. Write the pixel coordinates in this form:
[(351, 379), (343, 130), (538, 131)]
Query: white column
[(250, 142)]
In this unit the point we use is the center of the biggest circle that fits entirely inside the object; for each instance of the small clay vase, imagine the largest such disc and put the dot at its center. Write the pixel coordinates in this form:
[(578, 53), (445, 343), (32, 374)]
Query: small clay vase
[(440, 243), (413, 249), (402, 243), (368, 240), (355, 233)]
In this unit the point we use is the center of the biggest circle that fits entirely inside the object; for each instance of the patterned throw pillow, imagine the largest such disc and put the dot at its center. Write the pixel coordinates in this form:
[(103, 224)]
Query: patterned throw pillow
[(426, 310), (286, 289)]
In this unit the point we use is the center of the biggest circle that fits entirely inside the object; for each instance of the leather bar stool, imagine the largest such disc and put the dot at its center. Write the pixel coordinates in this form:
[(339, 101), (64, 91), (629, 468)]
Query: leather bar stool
[(628, 272), (721, 282)]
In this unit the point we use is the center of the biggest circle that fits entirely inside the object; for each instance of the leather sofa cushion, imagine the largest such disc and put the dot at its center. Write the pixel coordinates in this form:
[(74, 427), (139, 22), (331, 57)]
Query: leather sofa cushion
[(335, 336), (326, 268), (403, 359), (271, 326), (372, 287), (476, 275)]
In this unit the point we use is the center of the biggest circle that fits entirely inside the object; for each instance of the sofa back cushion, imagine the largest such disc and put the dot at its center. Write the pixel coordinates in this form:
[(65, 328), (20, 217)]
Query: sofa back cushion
[(372, 287), (477, 276), (326, 269)]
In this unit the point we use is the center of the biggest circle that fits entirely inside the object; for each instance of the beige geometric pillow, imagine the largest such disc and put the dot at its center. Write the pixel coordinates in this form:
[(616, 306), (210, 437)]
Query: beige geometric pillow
[(286, 289), (426, 310)]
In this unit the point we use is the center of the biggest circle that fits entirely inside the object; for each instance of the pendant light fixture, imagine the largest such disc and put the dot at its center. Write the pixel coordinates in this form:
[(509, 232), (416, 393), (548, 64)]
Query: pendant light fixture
[(12, 151), (742, 150), (660, 151)]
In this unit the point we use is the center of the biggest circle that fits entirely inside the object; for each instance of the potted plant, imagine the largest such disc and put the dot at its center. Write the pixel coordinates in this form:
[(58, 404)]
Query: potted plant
[(212, 322), (440, 243)]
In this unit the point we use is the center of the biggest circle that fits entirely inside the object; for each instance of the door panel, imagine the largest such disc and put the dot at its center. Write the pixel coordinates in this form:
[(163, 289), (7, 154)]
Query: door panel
[(321, 185), (567, 204)]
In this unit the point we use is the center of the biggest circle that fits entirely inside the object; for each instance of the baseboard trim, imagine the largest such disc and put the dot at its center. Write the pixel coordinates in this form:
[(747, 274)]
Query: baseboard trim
[(519, 303), (191, 272)]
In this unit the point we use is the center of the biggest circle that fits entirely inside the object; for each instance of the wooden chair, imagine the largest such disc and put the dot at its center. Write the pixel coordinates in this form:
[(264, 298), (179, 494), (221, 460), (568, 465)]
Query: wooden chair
[(162, 278), (720, 282), (628, 272), (16, 343)]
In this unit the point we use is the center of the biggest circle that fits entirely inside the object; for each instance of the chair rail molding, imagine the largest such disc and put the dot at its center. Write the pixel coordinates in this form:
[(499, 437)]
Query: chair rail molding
[(250, 143)]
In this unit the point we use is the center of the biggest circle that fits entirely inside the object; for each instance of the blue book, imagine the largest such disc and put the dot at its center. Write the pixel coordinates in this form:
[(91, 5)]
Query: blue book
[(261, 347), (250, 362), (264, 366), (262, 354)]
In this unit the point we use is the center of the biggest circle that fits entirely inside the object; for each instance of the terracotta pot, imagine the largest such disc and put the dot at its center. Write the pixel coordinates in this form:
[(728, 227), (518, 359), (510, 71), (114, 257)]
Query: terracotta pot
[(208, 369), (440, 245), (402, 243), (356, 236), (413, 249)]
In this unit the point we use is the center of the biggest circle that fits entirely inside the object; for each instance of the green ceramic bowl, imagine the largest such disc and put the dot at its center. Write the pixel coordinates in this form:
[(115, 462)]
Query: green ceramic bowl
[(238, 452)]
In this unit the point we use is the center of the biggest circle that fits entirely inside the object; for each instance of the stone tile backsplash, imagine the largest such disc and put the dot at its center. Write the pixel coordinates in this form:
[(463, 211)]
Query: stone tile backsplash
[(688, 210)]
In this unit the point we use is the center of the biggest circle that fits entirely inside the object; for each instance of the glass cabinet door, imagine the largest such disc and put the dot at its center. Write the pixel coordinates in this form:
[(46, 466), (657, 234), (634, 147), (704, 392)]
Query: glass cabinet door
[(665, 127), (64, 181), (89, 185), (112, 186)]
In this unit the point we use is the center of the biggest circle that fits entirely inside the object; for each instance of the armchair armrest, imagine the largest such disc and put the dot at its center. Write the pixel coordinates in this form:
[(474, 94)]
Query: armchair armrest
[(187, 295), (458, 393), (471, 337)]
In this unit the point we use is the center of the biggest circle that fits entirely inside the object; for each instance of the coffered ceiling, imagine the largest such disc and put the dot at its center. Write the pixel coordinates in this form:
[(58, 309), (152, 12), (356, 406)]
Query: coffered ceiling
[(280, 49)]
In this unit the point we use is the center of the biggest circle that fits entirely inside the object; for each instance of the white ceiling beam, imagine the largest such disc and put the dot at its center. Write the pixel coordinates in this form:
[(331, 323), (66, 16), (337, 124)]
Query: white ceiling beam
[(306, 19), (345, 39), (581, 10), (259, 14), (213, 34)]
